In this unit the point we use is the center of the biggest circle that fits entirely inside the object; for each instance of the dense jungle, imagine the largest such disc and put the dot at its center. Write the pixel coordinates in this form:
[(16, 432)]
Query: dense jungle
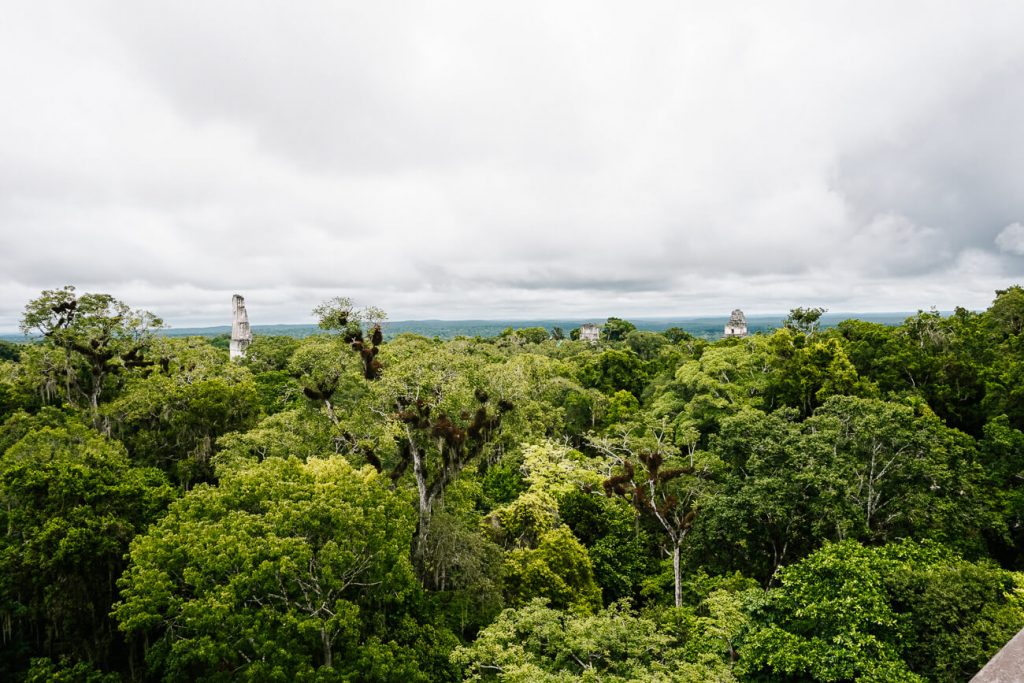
[(806, 504)]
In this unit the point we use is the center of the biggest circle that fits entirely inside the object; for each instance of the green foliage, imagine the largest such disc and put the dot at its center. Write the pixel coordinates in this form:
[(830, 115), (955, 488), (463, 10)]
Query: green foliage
[(677, 335), (804, 320), (806, 373), (664, 488), (274, 573), (558, 569), (67, 671), (9, 350), (289, 434), (72, 501), (268, 353), (101, 336), (616, 329), (646, 345), (614, 370), (526, 335), (1007, 310), (172, 421), (618, 547), (900, 612), (538, 643)]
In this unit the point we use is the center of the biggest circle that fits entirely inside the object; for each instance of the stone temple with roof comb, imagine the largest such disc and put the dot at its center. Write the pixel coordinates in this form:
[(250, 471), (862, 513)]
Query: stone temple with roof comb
[(737, 325), (241, 334)]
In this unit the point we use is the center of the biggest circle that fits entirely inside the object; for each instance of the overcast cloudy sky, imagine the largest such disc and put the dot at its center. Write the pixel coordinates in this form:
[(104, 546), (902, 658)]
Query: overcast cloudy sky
[(512, 159)]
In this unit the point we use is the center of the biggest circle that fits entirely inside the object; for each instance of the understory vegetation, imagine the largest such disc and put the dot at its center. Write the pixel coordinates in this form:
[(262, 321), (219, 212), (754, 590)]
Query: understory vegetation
[(842, 504)]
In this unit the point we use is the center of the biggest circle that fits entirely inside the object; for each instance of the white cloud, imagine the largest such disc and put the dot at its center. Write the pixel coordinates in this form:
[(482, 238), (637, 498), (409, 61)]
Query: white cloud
[(1011, 239)]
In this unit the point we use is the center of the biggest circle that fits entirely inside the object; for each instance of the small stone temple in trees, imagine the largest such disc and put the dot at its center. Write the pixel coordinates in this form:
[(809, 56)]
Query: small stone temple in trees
[(737, 325), (590, 332)]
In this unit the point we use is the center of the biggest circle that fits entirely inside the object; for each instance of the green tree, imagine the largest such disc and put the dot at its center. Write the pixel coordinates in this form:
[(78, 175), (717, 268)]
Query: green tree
[(617, 546), (172, 417), (360, 328), (267, 353), (614, 370), (661, 485), (616, 329), (1007, 310), (101, 335), (9, 350), (677, 335), (806, 372), (646, 345), (763, 511), (275, 574), (324, 370), (882, 472), (538, 643), (441, 416), (903, 612), (558, 569), (71, 503), (804, 320)]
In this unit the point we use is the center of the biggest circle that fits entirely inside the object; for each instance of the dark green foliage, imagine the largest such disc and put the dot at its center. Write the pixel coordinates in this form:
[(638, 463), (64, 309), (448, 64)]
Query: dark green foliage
[(527, 335), (9, 350), (221, 342), (614, 370), (616, 329), (174, 425), (72, 502), (619, 548), (102, 337), (677, 335), (902, 612), (268, 353), (278, 571)]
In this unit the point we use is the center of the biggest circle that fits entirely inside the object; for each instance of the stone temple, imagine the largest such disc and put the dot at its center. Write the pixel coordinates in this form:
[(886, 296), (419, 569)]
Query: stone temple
[(241, 335), (590, 332), (737, 325)]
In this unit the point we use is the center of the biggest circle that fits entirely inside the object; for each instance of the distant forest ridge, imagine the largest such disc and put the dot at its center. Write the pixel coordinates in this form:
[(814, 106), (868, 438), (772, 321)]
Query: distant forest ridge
[(710, 327), (707, 327)]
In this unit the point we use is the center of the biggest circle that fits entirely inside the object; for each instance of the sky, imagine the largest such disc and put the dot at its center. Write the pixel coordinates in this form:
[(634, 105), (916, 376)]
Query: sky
[(512, 159)]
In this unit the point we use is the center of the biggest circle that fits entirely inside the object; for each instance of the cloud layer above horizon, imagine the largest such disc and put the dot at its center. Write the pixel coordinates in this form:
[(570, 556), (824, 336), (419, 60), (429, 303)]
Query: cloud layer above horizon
[(490, 160)]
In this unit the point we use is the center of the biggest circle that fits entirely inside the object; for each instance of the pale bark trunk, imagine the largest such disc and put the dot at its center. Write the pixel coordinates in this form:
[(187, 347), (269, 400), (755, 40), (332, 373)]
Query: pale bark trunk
[(676, 575), (328, 655), (330, 411)]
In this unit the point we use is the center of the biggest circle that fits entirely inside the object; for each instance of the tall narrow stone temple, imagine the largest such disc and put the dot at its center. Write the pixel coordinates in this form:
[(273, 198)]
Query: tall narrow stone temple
[(737, 325), (241, 335)]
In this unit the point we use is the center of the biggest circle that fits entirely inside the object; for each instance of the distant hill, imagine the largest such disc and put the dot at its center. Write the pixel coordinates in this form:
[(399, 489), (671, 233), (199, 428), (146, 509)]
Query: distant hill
[(709, 327)]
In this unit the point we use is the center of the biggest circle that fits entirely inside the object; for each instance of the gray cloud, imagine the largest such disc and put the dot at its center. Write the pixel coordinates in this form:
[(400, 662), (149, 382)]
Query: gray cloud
[(1011, 239), (497, 159)]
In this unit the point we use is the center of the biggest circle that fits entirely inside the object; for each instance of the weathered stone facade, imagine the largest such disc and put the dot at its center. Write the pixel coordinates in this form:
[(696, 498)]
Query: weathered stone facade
[(590, 332), (241, 334), (737, 325)]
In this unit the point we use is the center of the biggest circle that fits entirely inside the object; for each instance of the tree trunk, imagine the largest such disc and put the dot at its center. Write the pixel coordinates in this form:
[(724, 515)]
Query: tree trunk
[(330, 411), (325, 639), (419, 470), (676, 575)]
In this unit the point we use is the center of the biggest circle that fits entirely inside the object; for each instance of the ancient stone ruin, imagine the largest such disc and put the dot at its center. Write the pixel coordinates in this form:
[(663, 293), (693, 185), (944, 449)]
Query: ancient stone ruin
[(590, 332), (737, 325), (241, 335)]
